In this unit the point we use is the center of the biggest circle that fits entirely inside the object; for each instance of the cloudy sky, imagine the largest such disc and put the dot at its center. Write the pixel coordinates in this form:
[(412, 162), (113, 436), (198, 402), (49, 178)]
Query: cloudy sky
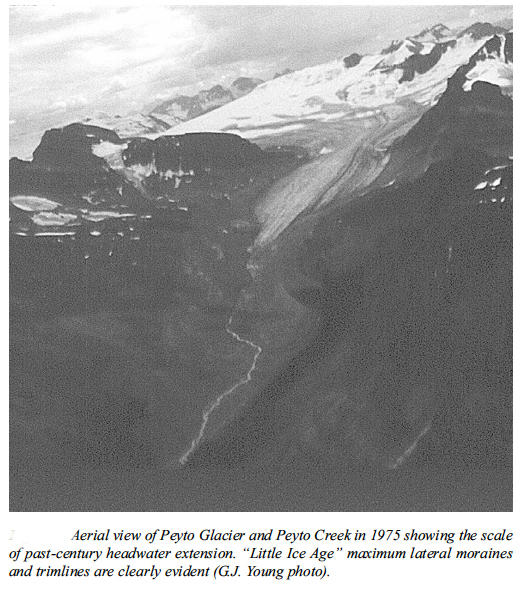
[(69, 63)]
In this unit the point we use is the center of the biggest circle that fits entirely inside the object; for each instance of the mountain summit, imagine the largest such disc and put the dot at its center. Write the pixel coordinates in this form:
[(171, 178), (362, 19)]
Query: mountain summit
[(433, 34)]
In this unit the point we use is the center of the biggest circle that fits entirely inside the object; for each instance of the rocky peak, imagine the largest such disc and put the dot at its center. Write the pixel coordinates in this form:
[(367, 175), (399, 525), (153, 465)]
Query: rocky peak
[(480, 30), (498, 47), (285, 72), (497, 72), (242, 86), (65, 169), (218, 93), (71, 146), (184, 108), (419, 63), (467, 116), (439, 28), (392, 47), (434, 33), (352, 60), (408, 56)]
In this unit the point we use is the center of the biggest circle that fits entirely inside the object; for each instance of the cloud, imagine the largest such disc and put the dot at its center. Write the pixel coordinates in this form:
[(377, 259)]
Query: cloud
[(69, 50), (71, 102)]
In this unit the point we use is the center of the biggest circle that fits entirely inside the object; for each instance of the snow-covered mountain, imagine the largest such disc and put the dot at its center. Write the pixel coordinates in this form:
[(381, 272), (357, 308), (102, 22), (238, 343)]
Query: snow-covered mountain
[(408, 73), (174, 111), (312, 105), (434, 34), (184, 108)]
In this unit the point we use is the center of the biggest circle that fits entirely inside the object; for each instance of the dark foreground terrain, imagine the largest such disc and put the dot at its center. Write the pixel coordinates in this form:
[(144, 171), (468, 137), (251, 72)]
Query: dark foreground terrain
[(84, 436)]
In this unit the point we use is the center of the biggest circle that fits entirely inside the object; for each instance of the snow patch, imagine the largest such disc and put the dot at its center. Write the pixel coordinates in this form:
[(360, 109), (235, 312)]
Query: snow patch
[(33, 203), (325, 150), (97, 216), (498, 73), (111, 153), (51, 219), (54, 233)]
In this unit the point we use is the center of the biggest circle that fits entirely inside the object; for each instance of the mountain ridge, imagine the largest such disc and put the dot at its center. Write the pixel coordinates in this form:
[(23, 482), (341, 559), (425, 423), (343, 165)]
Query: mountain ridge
[(175, 110)]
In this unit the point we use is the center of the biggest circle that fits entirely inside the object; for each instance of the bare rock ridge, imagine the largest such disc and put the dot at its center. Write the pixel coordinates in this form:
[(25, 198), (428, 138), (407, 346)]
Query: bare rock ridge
[(419, 63), (285, 72), (437, 31), (196, 151), (481, 30), (392, 47)]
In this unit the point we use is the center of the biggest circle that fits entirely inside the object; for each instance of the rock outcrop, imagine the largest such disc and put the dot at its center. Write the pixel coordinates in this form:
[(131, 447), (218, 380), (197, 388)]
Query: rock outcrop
[(352, 60)]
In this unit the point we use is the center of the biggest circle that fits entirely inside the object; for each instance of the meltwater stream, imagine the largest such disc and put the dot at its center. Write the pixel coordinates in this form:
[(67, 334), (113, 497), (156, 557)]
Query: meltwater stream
[(207, 413)]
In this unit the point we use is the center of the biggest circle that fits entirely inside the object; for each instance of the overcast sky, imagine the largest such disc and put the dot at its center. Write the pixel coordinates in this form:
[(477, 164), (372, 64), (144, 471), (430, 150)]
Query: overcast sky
[(68, 63)]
